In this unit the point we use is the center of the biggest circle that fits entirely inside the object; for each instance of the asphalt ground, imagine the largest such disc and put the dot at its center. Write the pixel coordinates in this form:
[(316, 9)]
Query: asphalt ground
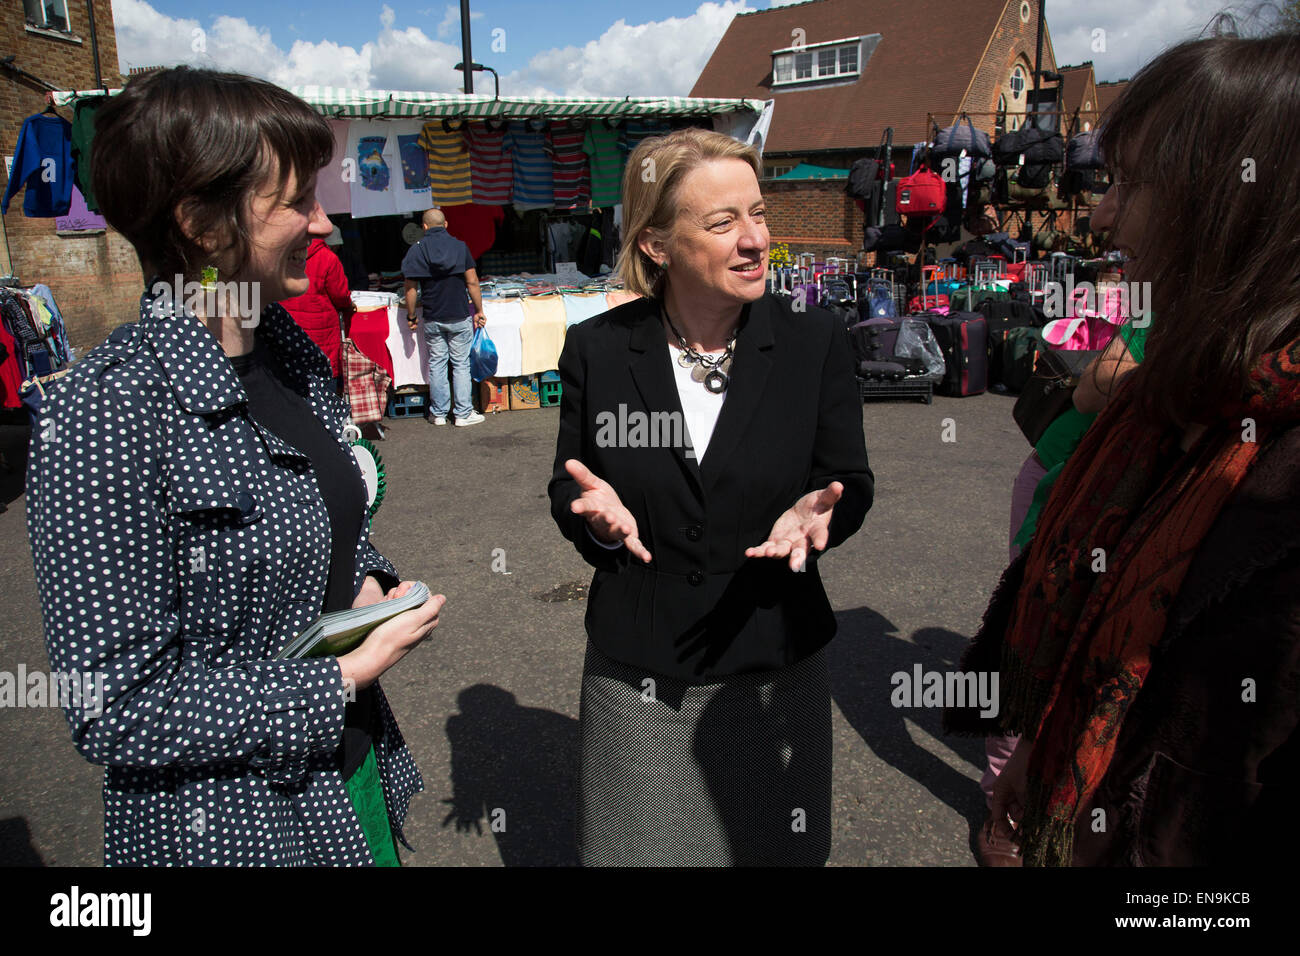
[(489, 704)]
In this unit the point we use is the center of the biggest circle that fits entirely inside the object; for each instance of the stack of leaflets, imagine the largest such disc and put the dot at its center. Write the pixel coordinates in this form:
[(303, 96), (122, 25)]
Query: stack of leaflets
[(340, 631)]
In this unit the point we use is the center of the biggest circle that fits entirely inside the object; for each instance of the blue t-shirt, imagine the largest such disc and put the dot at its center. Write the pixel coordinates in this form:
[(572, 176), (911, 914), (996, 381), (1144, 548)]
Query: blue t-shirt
[(439, 262)]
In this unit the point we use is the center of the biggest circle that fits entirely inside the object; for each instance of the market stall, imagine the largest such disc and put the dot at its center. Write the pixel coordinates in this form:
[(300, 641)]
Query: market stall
[(531, 184)]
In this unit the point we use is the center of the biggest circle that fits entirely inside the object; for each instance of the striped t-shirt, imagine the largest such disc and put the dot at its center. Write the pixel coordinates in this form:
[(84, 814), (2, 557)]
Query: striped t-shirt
[(529, 149), (492, 173), (449, 176), (572, 185), (605, 164)]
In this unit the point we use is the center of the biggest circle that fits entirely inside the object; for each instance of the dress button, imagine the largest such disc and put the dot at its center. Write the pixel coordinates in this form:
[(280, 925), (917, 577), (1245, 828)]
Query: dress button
[(694, 532), (696, 578), (247, 506)]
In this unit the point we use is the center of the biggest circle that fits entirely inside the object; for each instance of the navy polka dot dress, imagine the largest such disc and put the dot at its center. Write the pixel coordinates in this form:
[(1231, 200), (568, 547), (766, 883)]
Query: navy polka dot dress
[(178, 546)]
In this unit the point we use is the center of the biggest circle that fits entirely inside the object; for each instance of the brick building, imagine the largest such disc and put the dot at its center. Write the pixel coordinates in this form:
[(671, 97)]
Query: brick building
[(842, 71), (94, 273)]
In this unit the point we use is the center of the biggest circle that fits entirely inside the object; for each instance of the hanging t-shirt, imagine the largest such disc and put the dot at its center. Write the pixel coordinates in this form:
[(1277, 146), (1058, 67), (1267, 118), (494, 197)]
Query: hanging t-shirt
[(572, 184), (579, 307), (414, 185), (474, 225), (491, 168), (505, 320), (43, 165), (448, 156), (529, 146), (541, 337), (635, 130), (605, 164), (332, 190), (372, 147)]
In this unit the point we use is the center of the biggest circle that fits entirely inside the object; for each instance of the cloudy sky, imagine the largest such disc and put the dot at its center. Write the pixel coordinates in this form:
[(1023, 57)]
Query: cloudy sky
[(598, 47)]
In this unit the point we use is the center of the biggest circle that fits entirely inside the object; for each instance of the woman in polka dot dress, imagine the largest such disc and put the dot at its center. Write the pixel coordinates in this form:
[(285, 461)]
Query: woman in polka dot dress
[(193, 505)]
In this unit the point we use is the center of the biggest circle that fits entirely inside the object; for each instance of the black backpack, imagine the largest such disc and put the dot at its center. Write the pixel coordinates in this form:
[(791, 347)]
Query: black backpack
[(864, 178)]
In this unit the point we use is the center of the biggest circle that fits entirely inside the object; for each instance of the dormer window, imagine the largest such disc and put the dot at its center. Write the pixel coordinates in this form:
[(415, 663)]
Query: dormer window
[(814, 62)]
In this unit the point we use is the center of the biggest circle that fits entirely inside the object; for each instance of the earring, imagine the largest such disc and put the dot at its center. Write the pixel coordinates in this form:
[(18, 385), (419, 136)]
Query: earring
[(208, 277)]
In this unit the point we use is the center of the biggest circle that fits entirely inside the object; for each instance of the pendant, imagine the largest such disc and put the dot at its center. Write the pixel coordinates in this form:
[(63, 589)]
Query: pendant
[(698, 373), (684, 360), (715, 382)]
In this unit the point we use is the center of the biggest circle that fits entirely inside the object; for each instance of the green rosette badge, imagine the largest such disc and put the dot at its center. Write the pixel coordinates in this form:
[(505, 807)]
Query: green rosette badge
[(372, 472)]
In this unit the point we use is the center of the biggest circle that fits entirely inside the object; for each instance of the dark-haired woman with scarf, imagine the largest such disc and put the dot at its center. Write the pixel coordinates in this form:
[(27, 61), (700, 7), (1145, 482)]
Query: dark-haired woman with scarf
[(1149, 638)]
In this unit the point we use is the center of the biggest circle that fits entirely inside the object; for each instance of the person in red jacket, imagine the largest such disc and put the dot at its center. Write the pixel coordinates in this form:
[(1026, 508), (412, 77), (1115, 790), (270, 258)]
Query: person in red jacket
[(317, 310)]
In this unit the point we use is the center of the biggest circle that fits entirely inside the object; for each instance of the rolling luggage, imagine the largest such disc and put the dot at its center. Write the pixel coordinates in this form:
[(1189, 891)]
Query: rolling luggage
[(876, 341), (1013, 354), (963, 339)]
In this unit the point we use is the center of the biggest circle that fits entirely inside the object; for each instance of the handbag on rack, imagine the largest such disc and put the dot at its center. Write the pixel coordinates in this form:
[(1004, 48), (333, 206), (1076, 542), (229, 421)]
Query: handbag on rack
[(954, 139), (924, 193), (1049, 391)]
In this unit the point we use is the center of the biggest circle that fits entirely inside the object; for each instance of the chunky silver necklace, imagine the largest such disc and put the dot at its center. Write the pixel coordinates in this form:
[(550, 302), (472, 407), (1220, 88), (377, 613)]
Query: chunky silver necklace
[(713, 370)]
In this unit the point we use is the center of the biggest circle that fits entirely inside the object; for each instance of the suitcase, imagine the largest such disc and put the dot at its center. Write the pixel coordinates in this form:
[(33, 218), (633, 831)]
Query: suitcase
[(963, 339), (874, 341), (881, 371), (1013, 354)]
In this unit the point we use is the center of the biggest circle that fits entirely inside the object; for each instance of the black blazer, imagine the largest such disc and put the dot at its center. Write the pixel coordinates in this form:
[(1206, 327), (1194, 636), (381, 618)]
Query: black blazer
[(791, 423)]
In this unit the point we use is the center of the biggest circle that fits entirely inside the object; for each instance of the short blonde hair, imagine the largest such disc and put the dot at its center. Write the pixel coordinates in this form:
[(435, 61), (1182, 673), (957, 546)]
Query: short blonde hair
[(652, 203)]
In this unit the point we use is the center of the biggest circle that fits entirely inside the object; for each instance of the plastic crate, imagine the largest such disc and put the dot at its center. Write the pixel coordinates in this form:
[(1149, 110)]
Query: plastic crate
[(408, 405), (916, 386), (548, 389)]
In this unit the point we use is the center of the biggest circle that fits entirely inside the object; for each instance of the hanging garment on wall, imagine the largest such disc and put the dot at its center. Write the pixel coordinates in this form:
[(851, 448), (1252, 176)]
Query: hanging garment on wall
[(449, 161), (542, 334), (43, 165), (562, 239), (372, 146), (634, 131), (529, 146), (492, 172), (83, 135), (505, 319), (79, 217), (414, 181), (605, 164), (332, 190), (474, 225), (581, 307), (572, 182)]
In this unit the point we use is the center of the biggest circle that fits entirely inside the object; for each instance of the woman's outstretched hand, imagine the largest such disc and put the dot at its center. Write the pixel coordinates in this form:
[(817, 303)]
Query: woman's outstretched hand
[(804, 527), (608, 520)]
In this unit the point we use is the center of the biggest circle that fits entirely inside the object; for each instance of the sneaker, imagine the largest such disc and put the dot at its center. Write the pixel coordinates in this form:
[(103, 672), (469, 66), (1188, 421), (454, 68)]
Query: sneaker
[(473, 419), (436, 419)]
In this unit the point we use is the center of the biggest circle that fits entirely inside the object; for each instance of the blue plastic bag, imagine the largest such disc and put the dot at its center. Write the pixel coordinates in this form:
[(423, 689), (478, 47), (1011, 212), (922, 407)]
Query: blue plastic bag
[(482, 356)]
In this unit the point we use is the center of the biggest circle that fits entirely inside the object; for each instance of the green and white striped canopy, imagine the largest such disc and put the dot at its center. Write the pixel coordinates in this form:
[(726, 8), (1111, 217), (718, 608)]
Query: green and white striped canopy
[(378, 104)]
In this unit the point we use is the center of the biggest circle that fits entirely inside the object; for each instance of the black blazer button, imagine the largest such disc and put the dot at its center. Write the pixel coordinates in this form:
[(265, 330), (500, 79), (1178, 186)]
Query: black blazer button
[(696, 578), (694, 533)]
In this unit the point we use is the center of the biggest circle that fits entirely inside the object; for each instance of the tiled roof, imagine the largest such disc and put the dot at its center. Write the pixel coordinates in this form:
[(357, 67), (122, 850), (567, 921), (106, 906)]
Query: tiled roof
[(1108, 93), (925, 61)]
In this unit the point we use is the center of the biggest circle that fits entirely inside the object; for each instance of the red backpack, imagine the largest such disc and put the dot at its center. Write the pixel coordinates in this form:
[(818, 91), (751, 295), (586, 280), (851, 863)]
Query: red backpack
[(922, 194)]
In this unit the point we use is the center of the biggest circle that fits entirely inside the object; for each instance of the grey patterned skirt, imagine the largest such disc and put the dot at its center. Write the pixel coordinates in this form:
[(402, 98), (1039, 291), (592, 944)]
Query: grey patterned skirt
[(732, 773)]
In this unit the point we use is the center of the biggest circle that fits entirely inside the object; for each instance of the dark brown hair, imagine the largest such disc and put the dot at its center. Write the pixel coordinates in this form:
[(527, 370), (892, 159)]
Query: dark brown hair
[(202, 141), (1223, 246)]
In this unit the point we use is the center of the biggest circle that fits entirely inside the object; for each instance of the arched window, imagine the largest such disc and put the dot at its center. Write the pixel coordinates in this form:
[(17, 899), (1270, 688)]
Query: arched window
[(1025, 11), (1017, 82)]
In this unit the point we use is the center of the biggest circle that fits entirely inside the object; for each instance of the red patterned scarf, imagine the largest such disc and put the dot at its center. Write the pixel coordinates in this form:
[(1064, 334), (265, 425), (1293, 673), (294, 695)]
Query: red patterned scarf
[(1113, 545)]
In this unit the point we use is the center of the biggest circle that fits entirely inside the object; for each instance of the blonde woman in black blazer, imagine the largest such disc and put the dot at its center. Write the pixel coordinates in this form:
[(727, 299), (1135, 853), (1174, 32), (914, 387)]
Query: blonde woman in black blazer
[(710, 449)]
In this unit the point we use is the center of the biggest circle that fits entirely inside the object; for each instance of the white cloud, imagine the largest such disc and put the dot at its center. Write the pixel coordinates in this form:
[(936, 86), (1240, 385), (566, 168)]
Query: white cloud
[(395, 59), (450, 24), (1134, 34), (660, 58)]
